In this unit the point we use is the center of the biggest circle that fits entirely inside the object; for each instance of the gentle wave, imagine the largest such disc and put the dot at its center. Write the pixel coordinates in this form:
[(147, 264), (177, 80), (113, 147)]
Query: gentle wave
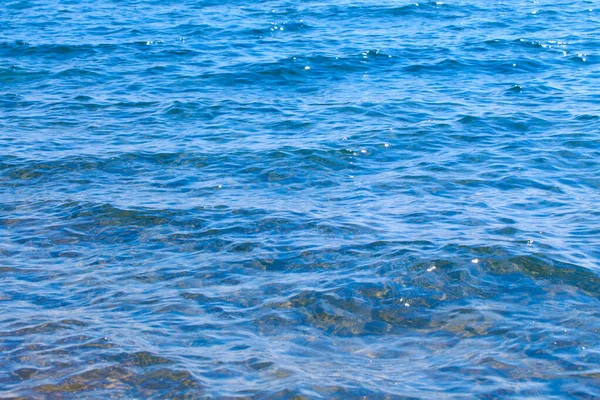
[(207, 199)]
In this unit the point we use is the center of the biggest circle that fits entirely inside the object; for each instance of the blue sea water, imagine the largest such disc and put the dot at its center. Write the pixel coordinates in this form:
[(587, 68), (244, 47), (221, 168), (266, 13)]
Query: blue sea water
[(299, 200)]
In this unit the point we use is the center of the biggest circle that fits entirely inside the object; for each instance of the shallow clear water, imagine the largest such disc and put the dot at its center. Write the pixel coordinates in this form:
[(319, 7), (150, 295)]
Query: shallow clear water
[(206, 199)]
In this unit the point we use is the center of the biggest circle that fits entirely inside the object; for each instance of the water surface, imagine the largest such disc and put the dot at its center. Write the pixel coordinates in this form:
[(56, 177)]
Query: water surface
[(317, 199)]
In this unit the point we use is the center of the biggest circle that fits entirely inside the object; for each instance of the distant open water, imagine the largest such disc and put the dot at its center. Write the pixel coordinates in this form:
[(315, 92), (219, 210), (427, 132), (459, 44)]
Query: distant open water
[(299, 199)]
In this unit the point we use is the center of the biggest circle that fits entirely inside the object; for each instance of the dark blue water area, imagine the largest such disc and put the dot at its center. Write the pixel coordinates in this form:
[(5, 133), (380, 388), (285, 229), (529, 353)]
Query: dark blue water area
[(299, 200)]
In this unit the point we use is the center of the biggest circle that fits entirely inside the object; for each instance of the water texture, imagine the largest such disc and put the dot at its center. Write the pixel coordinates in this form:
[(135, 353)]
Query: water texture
[(286, 199)]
